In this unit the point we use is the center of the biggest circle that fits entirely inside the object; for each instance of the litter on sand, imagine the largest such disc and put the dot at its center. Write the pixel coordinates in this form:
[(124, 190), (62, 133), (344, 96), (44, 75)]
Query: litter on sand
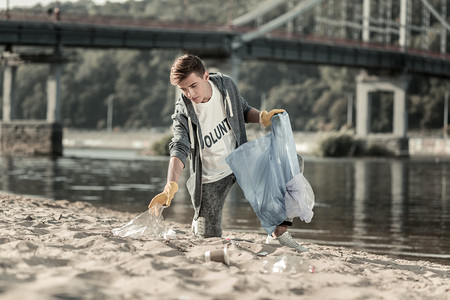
[(146, 224)]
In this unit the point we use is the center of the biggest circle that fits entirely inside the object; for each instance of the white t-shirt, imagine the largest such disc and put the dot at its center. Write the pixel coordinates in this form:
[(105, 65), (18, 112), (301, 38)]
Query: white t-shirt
[(218, 138)]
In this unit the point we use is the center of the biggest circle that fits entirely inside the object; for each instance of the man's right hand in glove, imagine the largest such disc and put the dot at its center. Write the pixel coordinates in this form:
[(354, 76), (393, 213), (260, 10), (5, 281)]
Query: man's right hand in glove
[(264, 116), (164, 198)]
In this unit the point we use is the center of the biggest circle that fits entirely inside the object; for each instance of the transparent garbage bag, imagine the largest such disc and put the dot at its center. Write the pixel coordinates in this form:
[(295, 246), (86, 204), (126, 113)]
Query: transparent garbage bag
[(299, 198), (266, 168), (145, 225)]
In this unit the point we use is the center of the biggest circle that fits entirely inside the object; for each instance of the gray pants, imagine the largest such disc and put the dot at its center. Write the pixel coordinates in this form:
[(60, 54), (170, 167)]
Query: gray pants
[(209, 222)]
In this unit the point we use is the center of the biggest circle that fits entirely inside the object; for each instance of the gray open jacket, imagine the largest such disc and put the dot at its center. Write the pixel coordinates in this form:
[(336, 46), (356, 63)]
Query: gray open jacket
[(187, 133)]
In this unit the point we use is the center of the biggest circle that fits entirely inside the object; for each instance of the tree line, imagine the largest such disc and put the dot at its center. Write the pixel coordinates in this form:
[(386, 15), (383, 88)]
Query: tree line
[(316, 97)]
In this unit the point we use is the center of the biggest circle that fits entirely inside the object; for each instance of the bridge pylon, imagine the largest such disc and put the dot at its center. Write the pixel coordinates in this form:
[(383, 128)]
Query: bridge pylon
[(31, 137), (9, 82), (397, 142)]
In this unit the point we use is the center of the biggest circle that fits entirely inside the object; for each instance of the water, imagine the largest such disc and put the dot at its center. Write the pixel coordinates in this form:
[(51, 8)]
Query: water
[(388, 206)]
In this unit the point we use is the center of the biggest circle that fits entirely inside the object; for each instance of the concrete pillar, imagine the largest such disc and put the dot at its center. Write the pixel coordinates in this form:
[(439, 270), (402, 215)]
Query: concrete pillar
[(403, 33), (366, 21), (53, 94), (400, 111), (365, 84), (363, 107), (9, 83)]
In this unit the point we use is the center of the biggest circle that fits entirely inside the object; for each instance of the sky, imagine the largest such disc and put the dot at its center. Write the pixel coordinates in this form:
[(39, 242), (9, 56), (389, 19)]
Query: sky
[(27, 3)]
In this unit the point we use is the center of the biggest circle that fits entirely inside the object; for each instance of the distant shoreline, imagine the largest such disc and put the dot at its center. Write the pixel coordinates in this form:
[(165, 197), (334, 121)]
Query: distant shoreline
[(306, 142)]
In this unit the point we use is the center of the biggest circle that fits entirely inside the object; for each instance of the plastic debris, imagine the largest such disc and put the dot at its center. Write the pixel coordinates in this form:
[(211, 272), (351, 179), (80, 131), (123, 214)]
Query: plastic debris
[(218, 255), (287, 264), (170, 235), (146, 225)]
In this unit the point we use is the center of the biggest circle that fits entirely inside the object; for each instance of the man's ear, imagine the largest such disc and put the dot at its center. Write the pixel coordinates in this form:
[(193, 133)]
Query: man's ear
[(206, 75)]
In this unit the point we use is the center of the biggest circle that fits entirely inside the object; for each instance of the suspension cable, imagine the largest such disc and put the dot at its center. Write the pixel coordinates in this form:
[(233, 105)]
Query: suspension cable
[(436, 14), (260, 10), (300, 9)]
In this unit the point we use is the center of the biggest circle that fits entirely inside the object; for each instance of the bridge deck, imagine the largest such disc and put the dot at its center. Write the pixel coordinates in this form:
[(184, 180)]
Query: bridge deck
[(218, 41)]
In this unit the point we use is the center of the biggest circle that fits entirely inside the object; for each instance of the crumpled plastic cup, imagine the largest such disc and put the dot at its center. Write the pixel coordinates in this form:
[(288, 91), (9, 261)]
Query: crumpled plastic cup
[(218, 255), (144, 225)]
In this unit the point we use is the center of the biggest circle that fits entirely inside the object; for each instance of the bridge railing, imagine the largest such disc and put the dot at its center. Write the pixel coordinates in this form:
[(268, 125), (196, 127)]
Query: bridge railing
[(106, 20)]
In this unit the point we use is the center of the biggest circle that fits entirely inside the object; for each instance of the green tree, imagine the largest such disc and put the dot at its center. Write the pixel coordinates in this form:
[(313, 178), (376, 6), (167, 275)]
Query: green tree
[(315, 96), (30, 97), (86, 85)]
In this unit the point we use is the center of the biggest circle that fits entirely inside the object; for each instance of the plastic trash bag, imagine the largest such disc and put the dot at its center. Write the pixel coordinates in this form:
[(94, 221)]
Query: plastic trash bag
[(299, 198), (144, 225), (265, 168)]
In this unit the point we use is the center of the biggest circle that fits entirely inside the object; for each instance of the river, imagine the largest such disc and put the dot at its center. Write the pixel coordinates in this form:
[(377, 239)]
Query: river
[(398, 207)]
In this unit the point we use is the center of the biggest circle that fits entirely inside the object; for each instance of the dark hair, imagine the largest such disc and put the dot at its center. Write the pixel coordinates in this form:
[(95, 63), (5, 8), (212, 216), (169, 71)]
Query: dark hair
[(184, 66)]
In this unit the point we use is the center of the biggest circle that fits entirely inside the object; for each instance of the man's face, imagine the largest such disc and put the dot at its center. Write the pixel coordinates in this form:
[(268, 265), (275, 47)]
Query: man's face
[(196, 88)]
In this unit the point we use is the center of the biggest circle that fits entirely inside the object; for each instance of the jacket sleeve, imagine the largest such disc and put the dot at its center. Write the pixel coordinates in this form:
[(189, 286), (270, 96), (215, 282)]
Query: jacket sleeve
[(245, 107), (180, 144)]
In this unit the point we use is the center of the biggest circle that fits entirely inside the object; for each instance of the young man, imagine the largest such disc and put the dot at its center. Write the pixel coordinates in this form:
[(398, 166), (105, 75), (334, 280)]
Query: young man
[(208, 124)]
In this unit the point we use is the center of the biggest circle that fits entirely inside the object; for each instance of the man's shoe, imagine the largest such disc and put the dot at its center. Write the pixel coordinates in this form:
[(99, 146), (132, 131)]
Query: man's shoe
[(270, 239), (286, 240)]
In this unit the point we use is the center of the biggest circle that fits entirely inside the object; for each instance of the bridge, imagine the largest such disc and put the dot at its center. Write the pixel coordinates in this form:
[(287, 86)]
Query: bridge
[(368, 34)]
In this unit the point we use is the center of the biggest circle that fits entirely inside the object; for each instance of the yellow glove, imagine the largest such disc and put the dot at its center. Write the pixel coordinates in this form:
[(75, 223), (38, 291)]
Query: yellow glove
[(264, 116), (164, 198)]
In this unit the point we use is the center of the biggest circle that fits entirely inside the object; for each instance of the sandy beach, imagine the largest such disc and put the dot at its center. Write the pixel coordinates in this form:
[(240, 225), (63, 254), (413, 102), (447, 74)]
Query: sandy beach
[(65, 250)]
